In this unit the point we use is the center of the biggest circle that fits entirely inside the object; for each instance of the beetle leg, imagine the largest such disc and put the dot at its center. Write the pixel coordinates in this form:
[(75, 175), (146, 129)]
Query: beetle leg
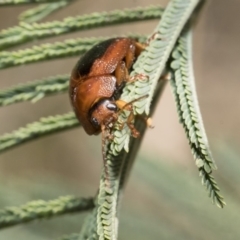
[(122, 105), (139, 47), (155, 35), (135, 133), (128, 106), (133, 52), (125, 106), (121, 73), (130, 55), (138, 77)]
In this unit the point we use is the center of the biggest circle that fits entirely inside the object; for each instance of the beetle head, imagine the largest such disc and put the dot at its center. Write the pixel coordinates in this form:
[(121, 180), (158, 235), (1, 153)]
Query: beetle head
[(104, 113)]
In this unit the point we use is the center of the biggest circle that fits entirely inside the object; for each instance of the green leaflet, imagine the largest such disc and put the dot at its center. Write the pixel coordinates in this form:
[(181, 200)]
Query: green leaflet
[(41, 209), (35, 90), (26, 32), (44, 126), (70, 47), (41, 11), (189, 113)]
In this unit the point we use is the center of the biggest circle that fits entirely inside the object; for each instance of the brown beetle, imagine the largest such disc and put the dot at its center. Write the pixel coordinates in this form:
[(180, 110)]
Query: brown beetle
[(97, 81)]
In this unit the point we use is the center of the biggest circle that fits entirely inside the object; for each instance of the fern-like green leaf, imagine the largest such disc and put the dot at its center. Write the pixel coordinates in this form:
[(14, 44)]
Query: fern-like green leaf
[(189, 113), (41, 128), (41, 209), (70, 47), (42, 11), (35, 90), (28, 32)]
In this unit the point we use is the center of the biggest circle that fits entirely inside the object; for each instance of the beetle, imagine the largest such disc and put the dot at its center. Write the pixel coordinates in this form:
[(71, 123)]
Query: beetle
[(97, 81)]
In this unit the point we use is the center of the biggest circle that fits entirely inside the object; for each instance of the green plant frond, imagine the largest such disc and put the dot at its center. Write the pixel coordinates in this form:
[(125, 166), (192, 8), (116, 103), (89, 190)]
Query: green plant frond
[(135, 144), (116, 169), (41, 128), (27, 32), (107, 219), (189, 113), (149, 66), (41, 209), (42, 11), (173, 20), (70, 47), (15, 2), (89, 228), (35, 90)]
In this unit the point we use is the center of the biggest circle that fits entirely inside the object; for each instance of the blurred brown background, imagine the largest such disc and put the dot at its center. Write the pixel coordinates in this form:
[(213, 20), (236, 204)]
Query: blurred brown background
[(72, 158)]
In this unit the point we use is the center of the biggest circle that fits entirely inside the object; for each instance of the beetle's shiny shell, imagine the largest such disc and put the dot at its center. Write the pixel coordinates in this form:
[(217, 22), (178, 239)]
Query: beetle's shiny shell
[(93, 77)]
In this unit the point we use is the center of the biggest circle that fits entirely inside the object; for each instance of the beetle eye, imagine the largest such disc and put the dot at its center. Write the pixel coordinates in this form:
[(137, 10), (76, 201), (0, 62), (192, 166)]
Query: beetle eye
[(112, 107), (95, 122)]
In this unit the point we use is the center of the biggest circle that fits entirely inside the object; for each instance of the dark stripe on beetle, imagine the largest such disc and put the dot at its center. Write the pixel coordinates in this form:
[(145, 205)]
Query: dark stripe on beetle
[(86, 61)]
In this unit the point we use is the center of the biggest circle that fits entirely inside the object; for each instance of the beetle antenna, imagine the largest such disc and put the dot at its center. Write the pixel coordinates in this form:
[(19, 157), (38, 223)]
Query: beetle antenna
[(131, 102), (104, 155)]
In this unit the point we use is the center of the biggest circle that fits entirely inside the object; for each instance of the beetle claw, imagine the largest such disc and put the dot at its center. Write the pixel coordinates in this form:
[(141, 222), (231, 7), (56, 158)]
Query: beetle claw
[(138, 77), (134, 132), (155, 35)]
